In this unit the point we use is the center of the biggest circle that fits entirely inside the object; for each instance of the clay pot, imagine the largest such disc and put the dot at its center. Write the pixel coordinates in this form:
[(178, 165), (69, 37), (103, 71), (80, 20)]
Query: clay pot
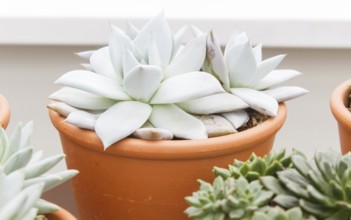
[(61, 214), (139, 179), (338, 102), (4, 112)]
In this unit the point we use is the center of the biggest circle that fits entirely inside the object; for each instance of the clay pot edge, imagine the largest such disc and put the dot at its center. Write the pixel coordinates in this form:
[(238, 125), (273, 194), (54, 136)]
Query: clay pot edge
[(4, 112), (338, 101)]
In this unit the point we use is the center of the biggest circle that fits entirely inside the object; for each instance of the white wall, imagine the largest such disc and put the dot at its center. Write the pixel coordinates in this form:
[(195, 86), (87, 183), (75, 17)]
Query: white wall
[(27, 74)]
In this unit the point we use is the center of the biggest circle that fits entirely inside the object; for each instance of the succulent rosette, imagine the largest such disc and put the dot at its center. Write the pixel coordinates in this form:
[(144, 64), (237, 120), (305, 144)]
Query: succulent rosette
[(179, 85)]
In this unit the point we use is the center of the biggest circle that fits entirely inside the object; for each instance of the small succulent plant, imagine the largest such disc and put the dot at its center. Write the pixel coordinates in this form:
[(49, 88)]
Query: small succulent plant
[(23, 179), (153, 82), (320, 189)]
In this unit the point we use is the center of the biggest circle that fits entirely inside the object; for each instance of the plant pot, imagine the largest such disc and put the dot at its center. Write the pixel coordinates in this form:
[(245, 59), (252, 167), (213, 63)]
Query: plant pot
[(4, 112), (61, 214), (338, 102), (139, 179)]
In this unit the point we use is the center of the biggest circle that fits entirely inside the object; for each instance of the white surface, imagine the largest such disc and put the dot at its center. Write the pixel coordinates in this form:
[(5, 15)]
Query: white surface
[(275, 23)]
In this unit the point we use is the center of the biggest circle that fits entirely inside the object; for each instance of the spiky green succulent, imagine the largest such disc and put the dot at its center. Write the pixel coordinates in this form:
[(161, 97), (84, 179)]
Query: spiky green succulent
[(227, 199), (277, 213), (23, 178), (321, 187), (255, 166)]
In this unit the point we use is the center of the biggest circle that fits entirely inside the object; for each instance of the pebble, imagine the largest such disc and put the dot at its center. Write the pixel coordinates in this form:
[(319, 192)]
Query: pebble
[(216, 125), (153, 134)]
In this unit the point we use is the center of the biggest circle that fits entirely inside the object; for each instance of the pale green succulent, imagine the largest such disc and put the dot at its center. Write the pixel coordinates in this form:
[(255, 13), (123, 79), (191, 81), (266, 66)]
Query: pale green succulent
[(23, 178), (227, 199), (321, 187), (151, 78), (277, 213), (255, 167)]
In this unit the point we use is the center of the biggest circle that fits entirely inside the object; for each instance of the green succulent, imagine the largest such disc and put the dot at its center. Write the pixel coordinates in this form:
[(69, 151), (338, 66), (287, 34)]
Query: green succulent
[(321, 187), (227, 199), (256, 166), (23, 178), (277, 213)]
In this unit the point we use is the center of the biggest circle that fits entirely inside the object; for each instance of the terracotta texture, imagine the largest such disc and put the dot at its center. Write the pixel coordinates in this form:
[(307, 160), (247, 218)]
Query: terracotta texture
[(338, 102), (139, 179), (61, 214), (4, 112)]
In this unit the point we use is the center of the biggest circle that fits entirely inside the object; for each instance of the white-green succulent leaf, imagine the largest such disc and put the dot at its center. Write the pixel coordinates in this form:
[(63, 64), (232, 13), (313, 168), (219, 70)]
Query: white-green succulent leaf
[(142, 82), (45, 207), (36, 157), (119, 43), (196, 31), (189, 59), (154, 55), (158, 29), (213, 104), (285, 93), (275, 77), (131, 114), (215, 61), (52, 180), (31, 214), (18, 160), (10, 185), (87, 66), (81, 99), (85, 54), (61, 108), (4, 144), (257, 100), (82, 119), (33, 194), (40, 167), (186, 87), (180, 38), (100, 62), (129, 62), (257, 50), (93, 83), (131, 30), (180, 123), (237, 118)]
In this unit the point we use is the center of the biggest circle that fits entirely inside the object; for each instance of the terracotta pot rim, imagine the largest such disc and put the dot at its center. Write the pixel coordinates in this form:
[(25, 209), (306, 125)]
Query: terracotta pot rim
[(338, 102), (174, 149), (4, 112)]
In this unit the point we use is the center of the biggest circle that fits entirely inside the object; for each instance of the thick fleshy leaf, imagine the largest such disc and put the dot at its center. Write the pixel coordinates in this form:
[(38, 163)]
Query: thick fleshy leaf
[(85, 54), (26, 139), (87, 66), (275, 77), (131, 30), (236, 38), (241, 64), (18, 160), (285, 93), (81, 99), (4, 142), (215, 60), (212, 104), (129, 62), (30, 215), (180, 38), (82, 119), (119, 42), (36, 157), (142, 82), (10, 185), (100, 62), (180, 123), (41, 167), (45, 207), (186, 87), (257, 100), (258, 53), (121, 120), (33, 194), (237, 118), (266, 66), (153, 54), (216, 125), (93, 83), (196, 31), (62, 108), (158, 29), (190, 58)]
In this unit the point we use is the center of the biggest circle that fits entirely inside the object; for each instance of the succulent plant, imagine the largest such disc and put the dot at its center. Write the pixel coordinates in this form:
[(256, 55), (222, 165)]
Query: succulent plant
[(255, 167), (321, 187), (227, 199), (153, 82), (22, 176)]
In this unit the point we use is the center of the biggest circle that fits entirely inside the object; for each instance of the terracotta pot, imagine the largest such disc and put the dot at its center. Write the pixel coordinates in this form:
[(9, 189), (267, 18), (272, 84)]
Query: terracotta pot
[(139, 179), (338, 102), (4, 112), (61, 214)]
